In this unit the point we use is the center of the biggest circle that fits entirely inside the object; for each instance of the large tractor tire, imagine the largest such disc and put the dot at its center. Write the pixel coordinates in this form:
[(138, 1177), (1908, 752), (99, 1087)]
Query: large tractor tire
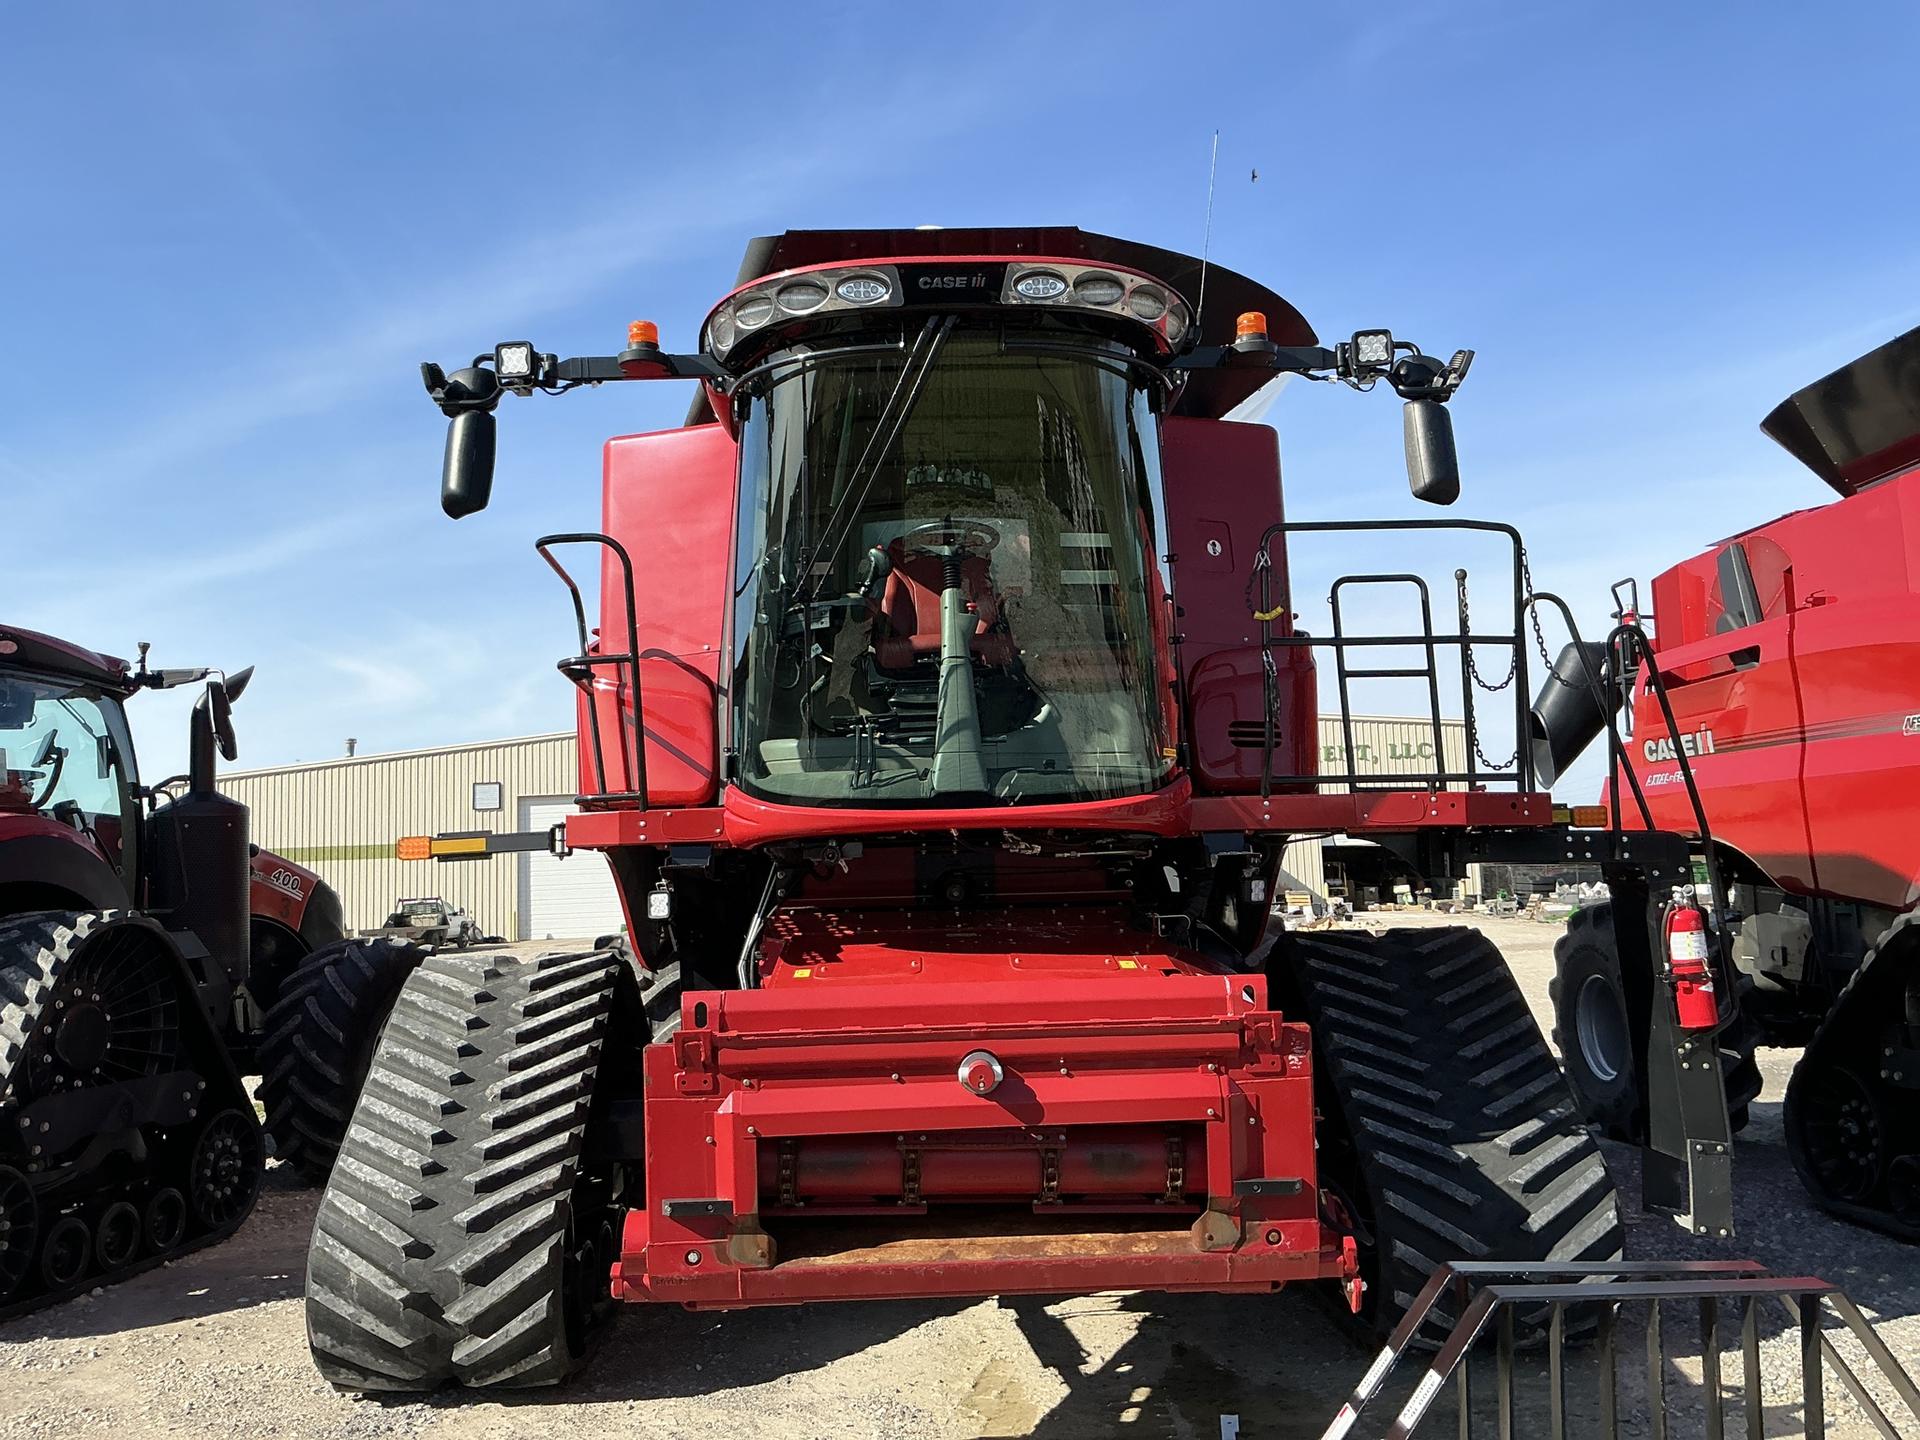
[(1593, 1029), (318, 1041), (1446, 1128), (126, 1136), (468, 1229)]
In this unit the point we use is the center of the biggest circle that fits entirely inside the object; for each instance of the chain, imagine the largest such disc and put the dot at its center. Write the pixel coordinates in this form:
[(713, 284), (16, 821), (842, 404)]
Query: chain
[(1262, 561), (1513, 664)]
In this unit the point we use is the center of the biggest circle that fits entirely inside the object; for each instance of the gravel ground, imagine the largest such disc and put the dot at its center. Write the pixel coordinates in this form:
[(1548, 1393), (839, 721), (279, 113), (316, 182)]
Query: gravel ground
[(213, 1344)]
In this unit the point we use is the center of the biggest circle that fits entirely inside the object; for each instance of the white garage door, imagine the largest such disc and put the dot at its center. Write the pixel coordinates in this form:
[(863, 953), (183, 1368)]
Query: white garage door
[(570, 899)]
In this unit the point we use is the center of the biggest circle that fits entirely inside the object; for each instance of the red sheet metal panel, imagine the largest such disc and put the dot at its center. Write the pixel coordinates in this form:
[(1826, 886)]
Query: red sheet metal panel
[(1222, 482), (1137, 1097), (669, 501)]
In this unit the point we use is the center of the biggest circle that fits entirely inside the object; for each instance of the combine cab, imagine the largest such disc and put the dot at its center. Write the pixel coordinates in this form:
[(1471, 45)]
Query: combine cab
[(142, 940), (943, 724), (1786, 654)]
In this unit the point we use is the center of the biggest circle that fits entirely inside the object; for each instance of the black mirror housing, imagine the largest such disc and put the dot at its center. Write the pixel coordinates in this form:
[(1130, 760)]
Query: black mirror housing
[(466, 475), (1433, 465)]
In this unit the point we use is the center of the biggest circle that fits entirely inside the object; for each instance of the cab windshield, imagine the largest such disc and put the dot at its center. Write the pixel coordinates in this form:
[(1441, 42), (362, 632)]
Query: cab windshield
[(945, 586)]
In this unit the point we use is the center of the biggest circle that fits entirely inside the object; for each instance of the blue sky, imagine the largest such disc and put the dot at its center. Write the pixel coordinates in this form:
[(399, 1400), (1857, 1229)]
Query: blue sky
[(235, 231)]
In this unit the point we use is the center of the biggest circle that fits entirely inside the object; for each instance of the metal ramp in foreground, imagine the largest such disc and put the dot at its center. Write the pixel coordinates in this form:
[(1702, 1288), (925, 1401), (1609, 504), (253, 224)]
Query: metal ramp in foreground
[(1486, 1295)]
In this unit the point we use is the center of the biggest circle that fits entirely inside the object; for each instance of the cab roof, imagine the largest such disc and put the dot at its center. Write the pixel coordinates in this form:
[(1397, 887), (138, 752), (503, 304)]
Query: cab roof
[(1209, 393), (22, 649)]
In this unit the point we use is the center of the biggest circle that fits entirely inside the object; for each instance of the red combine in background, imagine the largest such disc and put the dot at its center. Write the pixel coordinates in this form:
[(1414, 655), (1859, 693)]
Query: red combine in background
[(1786, 654), (942, 721)]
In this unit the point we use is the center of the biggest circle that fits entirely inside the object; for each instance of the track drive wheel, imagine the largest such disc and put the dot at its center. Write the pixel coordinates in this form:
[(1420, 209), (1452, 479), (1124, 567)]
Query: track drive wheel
[(467, 1230), (1593, 1029), (1446, 1130), (1851, 1127), (319, 1039)]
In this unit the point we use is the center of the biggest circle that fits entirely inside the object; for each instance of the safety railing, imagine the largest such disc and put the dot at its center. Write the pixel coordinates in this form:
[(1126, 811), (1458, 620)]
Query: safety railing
[(1474, 770), (582, 666), (1489, 1298)]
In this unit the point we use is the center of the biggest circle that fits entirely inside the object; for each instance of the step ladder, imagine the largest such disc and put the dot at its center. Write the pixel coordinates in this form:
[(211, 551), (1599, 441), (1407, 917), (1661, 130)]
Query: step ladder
[(1486, 1296)]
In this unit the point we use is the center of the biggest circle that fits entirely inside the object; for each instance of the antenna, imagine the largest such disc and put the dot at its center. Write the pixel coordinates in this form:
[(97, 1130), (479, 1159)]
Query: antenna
[(1206, 241)]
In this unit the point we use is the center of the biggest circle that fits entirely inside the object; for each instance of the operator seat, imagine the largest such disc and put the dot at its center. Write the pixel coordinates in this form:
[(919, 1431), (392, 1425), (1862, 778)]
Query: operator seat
[(908, 626)]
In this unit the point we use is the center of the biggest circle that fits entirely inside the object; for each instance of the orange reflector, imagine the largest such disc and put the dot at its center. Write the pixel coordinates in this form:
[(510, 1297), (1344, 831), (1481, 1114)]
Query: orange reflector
[(460, 845), (1250, 322), (642, 332), (413, 847), (1592, 817)]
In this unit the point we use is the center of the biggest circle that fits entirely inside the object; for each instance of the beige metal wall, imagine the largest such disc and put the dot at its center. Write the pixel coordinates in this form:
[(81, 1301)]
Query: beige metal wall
[(1383, 745), (341, 817)]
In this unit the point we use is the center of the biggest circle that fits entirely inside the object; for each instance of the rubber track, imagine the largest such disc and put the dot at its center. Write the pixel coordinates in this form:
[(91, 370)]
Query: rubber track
[(1464, 1128), (34, 949), (318, 1041), (1897, 943), (438, 1250)]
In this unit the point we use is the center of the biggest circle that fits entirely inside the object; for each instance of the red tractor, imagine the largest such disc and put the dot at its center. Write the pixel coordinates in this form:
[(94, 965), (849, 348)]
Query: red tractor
[(943, 725), (142, 940), (1782, 652)]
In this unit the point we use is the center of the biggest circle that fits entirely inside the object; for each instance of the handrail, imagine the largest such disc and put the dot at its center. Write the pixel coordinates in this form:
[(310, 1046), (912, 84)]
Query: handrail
[(579, 668), (1487, 1295)]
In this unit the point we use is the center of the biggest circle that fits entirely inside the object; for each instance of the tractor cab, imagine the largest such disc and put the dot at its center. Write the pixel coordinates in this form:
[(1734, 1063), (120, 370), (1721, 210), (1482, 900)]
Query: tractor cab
[(925, 521)]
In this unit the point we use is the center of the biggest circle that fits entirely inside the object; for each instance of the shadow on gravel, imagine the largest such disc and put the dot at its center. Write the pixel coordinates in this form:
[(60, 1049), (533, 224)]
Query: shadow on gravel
[(656, 1353)]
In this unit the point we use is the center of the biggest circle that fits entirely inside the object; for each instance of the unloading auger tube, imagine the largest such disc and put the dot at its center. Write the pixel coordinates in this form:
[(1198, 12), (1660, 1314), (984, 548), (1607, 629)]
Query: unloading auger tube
[(126, 1136)]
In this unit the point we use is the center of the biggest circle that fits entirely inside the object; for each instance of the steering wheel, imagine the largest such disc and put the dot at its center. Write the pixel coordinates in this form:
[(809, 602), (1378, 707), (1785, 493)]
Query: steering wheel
[(951, 538)]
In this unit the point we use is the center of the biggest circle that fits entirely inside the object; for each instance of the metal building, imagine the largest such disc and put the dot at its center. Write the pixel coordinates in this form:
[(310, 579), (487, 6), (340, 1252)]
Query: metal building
[(1383, 745), (341, 818)]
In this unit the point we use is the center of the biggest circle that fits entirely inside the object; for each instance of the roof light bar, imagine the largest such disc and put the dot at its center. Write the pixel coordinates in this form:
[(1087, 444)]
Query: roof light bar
[(1087, 288)]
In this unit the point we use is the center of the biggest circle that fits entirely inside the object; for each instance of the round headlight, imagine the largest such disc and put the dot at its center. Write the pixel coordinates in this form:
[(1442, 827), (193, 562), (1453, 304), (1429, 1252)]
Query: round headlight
[(1040, 285), (754, 310), (1147, 302), (862, 289), (802, 296), (720, 330), (1098, 290)]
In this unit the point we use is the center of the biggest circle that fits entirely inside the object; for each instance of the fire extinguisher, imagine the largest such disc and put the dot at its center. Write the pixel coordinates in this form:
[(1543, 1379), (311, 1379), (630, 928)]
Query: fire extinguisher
[(1686, 931)]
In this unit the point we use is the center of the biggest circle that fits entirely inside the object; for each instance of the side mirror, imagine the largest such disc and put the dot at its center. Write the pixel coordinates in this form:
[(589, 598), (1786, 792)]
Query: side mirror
[(237, 682), (220, 702), (49, 748), (466, 476), (1433, 466)]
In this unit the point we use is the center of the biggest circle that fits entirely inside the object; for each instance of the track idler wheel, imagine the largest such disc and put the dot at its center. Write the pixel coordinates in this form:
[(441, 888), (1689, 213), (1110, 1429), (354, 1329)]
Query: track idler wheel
[(227, 1162), (19, 1231), (165, 1219), (68, 1249), (116, 1239)]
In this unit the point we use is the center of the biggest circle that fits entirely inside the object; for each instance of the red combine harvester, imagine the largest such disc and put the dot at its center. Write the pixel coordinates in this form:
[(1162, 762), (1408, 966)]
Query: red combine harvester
[(1785, 653), (142, 940), (943, 726)]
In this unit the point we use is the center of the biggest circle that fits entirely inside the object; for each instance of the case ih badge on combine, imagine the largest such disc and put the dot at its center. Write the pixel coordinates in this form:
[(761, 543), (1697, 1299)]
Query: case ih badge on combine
[(1786, 652), (943, 727), (140, 944)]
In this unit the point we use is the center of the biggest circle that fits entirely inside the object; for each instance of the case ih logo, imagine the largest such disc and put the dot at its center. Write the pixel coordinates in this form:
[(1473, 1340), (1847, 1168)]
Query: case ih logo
[(1699, 742), (975, 281)]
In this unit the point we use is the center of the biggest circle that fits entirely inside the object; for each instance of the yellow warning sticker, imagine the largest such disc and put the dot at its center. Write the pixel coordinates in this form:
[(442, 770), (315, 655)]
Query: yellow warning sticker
[(802, 973), (1129, 964)]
